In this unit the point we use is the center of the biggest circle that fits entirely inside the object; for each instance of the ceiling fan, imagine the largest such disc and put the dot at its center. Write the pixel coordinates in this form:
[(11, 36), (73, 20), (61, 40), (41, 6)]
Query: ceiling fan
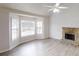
[(56, 8)]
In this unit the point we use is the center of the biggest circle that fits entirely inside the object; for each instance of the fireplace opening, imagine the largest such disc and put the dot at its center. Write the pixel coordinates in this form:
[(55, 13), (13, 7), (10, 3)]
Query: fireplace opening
[(69, 36)]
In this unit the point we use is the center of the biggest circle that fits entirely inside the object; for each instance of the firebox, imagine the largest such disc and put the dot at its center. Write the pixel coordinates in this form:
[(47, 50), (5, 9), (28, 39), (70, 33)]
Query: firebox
[(69, 36)]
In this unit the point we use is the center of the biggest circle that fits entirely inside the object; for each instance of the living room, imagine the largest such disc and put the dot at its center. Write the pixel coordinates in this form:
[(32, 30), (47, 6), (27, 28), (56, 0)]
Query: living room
[(42, 29)]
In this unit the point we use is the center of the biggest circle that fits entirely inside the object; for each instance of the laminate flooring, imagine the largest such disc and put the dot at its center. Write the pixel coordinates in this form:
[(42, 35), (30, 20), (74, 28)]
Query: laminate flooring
[(45, 47)]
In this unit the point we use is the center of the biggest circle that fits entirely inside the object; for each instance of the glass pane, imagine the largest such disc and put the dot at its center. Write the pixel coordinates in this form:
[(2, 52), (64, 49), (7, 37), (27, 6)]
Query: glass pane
[(27, 28), (39, 27), (15, 28)]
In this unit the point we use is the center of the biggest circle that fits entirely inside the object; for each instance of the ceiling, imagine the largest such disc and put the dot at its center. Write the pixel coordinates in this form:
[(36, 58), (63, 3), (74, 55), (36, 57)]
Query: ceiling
[(36, 8)]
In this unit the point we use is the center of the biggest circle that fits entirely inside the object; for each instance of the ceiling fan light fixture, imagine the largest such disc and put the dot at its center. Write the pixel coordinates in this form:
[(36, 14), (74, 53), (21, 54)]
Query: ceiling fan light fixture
[(56, 10)]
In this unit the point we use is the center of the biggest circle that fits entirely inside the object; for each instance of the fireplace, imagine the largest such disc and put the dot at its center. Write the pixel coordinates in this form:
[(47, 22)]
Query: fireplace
[(69, 36), (70, 33)]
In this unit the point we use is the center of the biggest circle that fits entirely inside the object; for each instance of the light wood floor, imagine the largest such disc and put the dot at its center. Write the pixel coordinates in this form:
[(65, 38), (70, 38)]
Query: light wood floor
[(46, 47)]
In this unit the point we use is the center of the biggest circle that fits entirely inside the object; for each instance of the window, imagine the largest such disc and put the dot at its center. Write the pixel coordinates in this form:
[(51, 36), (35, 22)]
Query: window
[(39, 25), (23, 26), (15, 28), (27, 28)]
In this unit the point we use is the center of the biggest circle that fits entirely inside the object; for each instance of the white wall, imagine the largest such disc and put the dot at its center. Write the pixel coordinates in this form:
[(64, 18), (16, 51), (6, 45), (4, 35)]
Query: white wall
[(66, 18), (46, 27), (4, 30)]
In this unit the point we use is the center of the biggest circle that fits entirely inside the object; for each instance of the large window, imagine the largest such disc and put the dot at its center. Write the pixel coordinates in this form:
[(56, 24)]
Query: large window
[(27, 27)]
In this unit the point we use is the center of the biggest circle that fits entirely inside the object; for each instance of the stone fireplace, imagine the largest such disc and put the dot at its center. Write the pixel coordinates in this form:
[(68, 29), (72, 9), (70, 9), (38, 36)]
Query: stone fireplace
[(70, 33)]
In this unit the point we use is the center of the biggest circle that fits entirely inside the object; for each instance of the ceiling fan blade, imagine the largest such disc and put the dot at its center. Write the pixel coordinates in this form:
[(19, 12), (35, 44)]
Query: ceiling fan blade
[(48, 6), (62, 7), (57, 4)]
